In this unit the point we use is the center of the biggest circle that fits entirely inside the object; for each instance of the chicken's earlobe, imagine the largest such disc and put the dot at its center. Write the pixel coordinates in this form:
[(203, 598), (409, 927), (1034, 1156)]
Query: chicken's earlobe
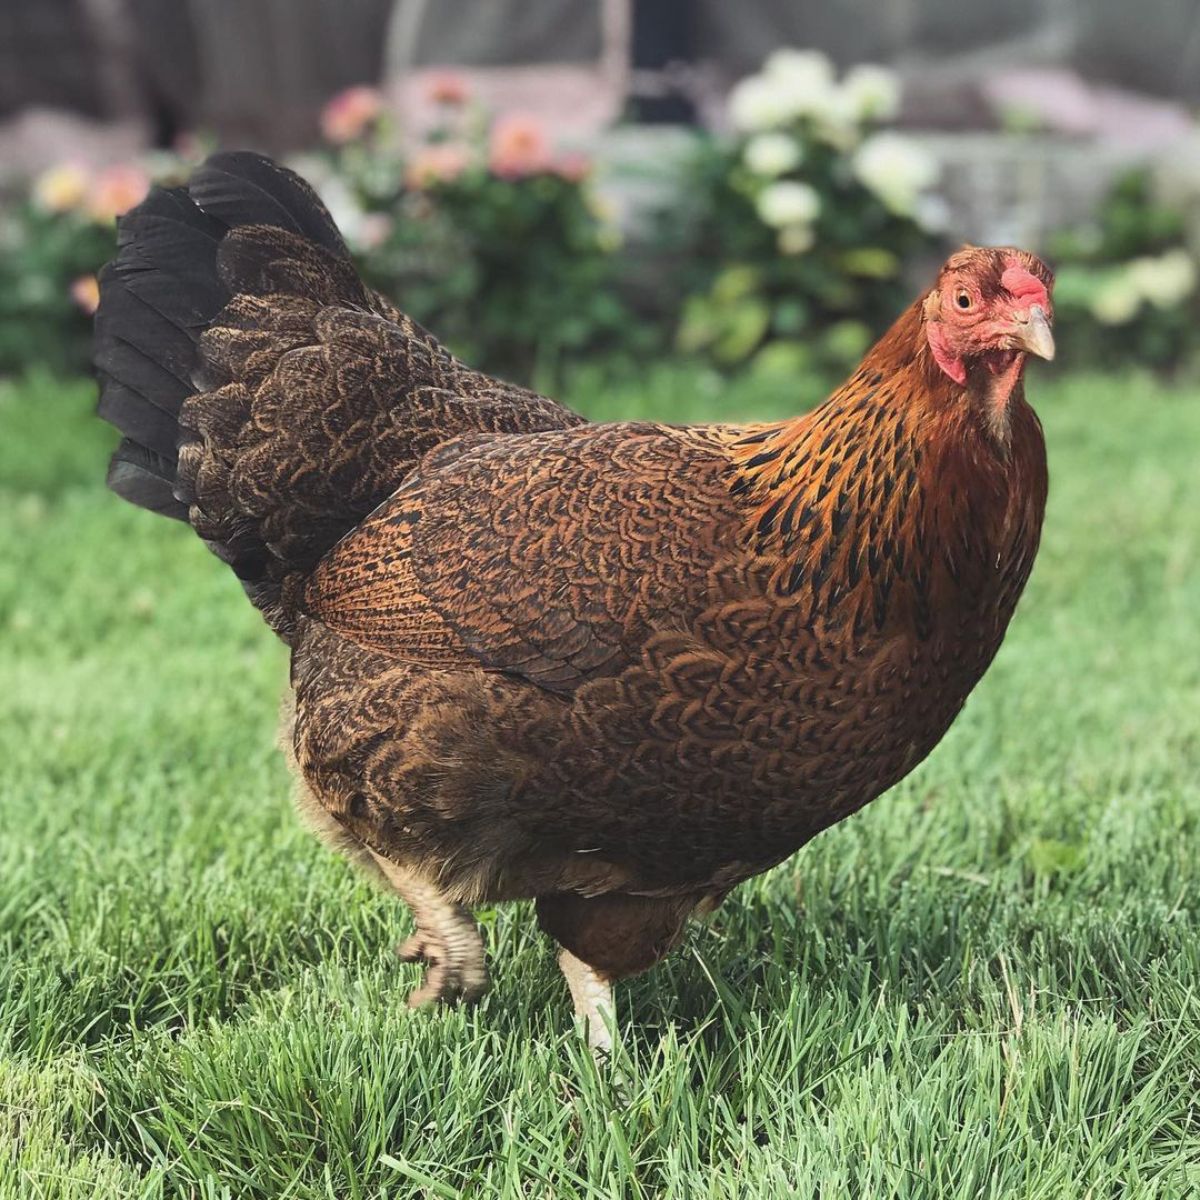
[(950, 363)]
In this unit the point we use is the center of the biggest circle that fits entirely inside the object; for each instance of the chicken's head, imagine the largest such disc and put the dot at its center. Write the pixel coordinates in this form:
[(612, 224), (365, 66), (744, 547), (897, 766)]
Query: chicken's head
[(990, 309)]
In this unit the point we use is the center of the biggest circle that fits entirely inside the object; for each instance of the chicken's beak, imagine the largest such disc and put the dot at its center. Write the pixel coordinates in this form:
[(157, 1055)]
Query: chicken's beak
[(1033, 334)]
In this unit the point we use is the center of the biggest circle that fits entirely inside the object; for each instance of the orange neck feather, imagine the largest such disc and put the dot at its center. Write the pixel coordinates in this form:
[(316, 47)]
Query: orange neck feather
[(898, 465)]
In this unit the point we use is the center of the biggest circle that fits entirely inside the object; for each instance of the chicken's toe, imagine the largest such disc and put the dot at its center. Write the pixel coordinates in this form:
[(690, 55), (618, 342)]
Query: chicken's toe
[(414, 948), (433, 988)]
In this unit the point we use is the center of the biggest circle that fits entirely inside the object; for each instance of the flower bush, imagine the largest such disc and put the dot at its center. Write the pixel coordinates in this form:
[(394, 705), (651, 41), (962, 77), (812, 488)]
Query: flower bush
[(1128, 287), (783, 248), (51, 244), (483, 231), (798, 227)]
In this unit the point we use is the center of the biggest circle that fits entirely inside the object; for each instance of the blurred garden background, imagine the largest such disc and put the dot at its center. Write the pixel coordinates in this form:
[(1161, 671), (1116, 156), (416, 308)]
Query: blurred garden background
[(549, 184), (984, 985)]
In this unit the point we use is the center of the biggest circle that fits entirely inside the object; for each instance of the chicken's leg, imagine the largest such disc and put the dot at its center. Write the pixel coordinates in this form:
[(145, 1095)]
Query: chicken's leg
[(592, 995), (446, 939), (605, 938)]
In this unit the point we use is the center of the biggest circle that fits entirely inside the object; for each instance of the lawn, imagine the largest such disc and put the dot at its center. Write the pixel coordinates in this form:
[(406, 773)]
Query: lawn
[(984, 985)]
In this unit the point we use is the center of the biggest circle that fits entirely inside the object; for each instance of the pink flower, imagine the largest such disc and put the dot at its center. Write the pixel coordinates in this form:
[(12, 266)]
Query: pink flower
[(441, 162), (189, 146), (448, 87), (518, 147), (373, 230), (115, 191), (574, 167), (350, 113), (85, 291)]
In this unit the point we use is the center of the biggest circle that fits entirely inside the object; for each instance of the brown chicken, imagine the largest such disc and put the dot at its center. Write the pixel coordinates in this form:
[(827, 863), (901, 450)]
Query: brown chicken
[(616, 668)]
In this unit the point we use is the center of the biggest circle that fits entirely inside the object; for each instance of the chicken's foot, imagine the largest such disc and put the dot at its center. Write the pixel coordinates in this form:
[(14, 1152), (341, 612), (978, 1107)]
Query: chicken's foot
[(446, 939)]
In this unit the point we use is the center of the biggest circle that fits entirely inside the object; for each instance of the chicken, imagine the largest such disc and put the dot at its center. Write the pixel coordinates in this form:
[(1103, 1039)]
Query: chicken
[(615, 668)]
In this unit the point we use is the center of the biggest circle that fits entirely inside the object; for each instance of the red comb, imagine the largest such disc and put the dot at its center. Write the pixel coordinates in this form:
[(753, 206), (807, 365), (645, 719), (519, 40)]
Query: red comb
[(1022, 285)]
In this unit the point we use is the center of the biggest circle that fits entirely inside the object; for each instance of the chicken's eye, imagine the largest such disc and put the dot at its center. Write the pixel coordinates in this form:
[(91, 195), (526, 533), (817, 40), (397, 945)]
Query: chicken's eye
[(963, 299)]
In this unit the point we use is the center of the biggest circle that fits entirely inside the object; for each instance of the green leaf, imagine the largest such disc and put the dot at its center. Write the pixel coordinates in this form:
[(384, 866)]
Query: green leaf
[(846, 341), (871, 262), (745, 326), (735, 282), (782, 359)]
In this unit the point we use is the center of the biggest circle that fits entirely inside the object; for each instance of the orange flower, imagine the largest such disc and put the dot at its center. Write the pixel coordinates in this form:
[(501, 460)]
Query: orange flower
[(441, 162), (115, 191), (518, 147), (448, 87), (350, 113), (85, 291)]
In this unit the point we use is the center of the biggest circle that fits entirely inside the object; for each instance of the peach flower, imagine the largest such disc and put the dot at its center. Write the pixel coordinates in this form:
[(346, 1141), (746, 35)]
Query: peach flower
[(349, 114), (373, 230), (518, 147), (573, 166), (116, 190), (448, 87), (441, 162), (85, 291)]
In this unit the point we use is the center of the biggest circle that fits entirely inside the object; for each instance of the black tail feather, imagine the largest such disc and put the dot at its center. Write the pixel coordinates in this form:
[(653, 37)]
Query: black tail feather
[(140, 419), (246, 189), (145, 479), (164, 289)]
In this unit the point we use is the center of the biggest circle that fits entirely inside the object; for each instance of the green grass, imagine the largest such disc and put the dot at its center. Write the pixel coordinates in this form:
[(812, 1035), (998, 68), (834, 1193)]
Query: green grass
[(984, 985)]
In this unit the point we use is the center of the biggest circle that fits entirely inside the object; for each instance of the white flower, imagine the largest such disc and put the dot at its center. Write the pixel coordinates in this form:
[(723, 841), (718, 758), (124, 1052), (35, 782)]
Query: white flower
[(932, 213), (807, 69), (837, 122), (896, 170), (793, 84), (1164, 281), (344, 206), (796, 239), (804, 83), (757, 103), (1117, 301), (772, 154), (788, 203), (872, 92)]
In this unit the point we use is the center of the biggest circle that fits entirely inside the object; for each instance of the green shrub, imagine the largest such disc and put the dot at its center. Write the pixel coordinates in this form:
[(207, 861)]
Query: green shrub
[(1126, 288), (483, 232), (48, 262), (53, 241), (795, 230)]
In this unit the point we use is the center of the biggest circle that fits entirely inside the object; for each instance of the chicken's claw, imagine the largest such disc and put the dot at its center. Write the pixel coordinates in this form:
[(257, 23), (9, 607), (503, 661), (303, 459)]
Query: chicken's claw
[(455, 971)]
